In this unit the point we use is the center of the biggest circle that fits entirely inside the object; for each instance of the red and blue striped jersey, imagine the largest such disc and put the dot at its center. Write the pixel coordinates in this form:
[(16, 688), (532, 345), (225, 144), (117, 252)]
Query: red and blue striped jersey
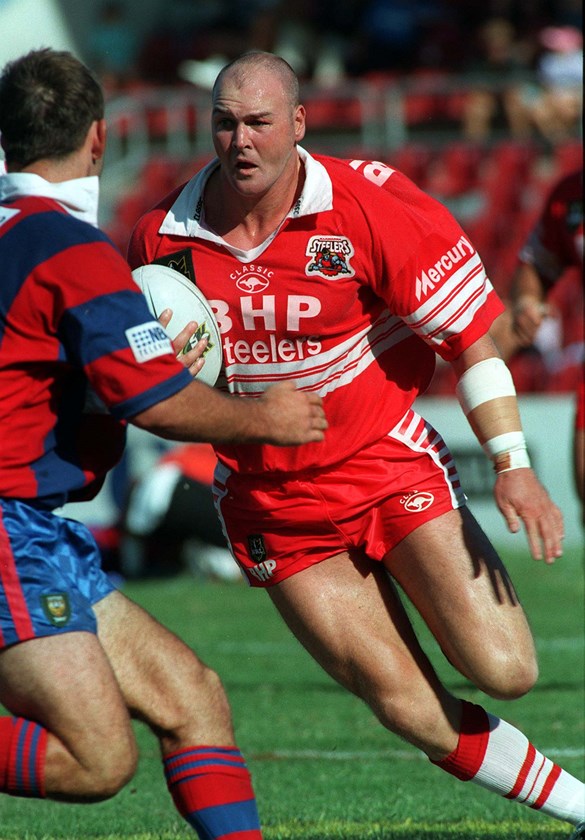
[(80, 353)]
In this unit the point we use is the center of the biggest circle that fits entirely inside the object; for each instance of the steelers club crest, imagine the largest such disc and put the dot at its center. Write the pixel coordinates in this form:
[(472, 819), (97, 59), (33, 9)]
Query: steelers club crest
[(330, 257)]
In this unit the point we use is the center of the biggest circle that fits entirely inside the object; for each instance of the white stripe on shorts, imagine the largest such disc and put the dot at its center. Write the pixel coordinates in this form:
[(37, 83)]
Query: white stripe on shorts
[(419, 436)]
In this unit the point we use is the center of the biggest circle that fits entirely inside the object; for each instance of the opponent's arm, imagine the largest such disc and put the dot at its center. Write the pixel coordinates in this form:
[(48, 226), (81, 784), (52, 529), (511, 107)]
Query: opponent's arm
[(283, 416), (528, 304), (487, 395)]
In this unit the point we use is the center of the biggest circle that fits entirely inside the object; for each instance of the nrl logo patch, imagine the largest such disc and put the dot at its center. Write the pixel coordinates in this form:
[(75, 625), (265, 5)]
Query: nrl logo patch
[(256, 547), (330, 257), (56, 607)]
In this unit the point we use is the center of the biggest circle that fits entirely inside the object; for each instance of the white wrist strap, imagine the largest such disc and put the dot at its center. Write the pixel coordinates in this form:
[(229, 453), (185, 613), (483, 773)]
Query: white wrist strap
[(507, 451)]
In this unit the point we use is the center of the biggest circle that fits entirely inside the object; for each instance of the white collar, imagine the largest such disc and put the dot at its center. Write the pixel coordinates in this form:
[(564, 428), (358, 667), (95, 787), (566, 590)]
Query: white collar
[(79, 197), (185, 218)]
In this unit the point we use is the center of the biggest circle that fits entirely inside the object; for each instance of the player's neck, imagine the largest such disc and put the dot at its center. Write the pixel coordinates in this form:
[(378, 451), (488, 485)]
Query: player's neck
[(247, 221)]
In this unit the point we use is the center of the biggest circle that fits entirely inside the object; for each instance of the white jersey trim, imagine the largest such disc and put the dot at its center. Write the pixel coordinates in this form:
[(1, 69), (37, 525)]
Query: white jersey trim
[(186, 217), (325, 372), (453, 306)]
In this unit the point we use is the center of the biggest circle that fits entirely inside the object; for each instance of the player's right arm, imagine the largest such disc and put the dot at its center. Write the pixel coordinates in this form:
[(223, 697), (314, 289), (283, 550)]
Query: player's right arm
[(282, 416), (488, 398)]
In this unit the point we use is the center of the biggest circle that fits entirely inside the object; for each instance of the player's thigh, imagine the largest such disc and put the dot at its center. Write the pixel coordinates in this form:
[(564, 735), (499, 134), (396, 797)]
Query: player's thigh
[(163, 681), (458, 583), (65, 682), (347, 614)]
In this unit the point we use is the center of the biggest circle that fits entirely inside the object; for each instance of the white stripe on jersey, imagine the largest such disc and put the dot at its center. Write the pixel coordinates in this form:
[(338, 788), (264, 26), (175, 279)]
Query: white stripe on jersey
[(453, 306), (417, 434), (326, 371)]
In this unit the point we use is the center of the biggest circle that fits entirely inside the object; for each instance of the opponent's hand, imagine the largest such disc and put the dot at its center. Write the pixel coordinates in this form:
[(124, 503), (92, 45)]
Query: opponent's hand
[(527, 316), (520, 496), (193, 359), (292, 417)]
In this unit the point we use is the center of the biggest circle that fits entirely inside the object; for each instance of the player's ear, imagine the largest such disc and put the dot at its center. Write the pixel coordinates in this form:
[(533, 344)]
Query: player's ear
[(98, 140), (299, 122)]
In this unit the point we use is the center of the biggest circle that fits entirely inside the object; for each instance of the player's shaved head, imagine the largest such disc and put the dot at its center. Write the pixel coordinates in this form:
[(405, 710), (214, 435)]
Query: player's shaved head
[(244, 69)]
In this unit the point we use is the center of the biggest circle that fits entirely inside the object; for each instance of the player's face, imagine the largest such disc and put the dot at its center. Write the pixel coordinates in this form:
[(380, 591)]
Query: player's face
[(255, 128)]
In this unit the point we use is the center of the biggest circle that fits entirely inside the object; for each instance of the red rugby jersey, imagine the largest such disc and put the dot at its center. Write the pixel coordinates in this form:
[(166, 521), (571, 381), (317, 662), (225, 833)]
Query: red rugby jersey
[(556, 243), (352, 298), (79, 351)]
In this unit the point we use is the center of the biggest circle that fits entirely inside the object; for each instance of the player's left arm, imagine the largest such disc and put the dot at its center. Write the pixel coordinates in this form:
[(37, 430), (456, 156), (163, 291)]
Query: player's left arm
[(486, 392)]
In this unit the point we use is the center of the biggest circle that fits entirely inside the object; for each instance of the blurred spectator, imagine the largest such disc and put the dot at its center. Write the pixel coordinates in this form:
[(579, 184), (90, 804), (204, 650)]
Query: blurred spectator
[(555, 108), (502, 62), (170, 523), (544, 290), (113, 47), (194, 40), (389, 34)]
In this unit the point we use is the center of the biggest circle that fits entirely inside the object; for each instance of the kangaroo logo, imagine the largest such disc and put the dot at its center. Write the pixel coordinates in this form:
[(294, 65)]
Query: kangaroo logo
[(417, 501)]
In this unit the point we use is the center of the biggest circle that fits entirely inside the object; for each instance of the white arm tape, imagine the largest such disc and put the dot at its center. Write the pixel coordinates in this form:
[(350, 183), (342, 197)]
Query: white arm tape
[(484, 381), (488, 380)]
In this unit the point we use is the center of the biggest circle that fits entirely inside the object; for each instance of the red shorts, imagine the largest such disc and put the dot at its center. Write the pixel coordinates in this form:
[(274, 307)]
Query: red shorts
[(280, 525)]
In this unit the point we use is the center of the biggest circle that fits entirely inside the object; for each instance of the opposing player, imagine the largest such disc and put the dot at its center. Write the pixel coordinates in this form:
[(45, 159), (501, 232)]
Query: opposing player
[(321, 527), (80, 356), (553, 246)]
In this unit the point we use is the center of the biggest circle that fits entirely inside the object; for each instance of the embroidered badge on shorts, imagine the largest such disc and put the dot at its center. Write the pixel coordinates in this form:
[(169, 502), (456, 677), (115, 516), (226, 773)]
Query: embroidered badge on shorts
[(57, 608), (256, 547)]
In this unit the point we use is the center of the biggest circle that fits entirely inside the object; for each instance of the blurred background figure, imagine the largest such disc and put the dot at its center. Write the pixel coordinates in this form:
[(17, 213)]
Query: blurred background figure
[(113, 47), (169, 523), (495, 74), (555, 109), (545, 313)]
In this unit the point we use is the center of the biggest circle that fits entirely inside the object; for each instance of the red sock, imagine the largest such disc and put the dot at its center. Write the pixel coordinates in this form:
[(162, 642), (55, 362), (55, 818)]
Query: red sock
[(23, 746), (212, 789)]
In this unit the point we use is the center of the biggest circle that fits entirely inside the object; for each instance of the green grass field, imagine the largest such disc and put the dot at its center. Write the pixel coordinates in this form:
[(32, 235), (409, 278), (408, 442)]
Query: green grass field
[(323, 768)]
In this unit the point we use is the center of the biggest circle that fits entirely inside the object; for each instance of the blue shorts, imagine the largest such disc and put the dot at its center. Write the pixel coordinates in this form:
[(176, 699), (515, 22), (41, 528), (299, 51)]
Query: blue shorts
[(50, 574)]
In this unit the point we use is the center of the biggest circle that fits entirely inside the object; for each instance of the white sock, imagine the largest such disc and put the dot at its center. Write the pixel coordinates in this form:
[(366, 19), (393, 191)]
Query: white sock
[(497, 756)]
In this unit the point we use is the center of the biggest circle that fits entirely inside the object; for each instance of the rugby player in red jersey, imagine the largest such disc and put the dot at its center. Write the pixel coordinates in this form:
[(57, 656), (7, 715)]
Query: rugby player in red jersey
[(328, 527)]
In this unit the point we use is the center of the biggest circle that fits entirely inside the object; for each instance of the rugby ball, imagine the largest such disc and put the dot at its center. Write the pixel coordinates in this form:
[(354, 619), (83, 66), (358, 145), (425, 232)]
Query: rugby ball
[(165, 288)]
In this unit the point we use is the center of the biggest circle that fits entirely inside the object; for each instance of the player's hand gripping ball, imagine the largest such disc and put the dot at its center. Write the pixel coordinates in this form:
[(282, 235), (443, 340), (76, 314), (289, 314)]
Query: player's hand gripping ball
[(165, 288)]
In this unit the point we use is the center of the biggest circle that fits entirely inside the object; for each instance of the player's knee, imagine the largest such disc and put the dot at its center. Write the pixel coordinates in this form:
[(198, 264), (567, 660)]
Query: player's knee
[(509, 678), (102, 769), (180, 718), (109, 773)]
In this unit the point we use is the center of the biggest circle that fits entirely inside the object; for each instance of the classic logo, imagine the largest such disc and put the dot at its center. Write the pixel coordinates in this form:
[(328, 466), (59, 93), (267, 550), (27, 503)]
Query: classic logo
[(417, 501), (252, 278), (251, 283), (181, 261), (56, 607), (433, 275), (330, 257)]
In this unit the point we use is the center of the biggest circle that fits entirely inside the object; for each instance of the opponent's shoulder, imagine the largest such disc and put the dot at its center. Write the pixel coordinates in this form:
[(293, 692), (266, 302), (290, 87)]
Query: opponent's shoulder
[(42, 227)]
